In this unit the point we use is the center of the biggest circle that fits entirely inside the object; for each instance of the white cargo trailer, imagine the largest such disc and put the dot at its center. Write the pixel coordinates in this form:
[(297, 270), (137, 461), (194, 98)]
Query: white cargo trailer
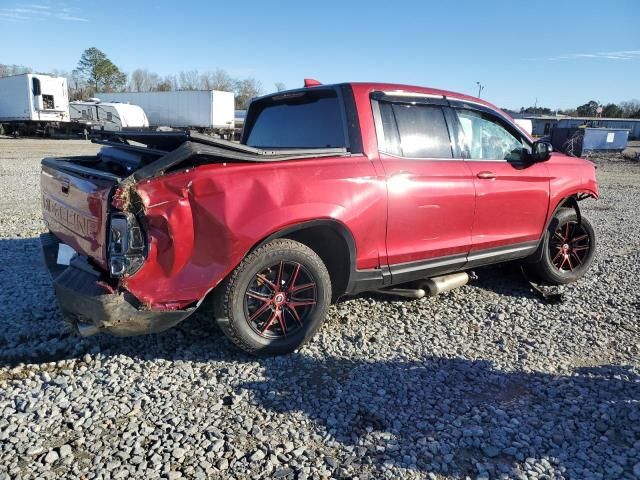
[(32, 102), (204, 110), (109, 116)]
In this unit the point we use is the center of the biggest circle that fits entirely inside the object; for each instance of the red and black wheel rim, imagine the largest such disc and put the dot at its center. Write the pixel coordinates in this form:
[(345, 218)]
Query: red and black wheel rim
[(569, 246), (280, 299)]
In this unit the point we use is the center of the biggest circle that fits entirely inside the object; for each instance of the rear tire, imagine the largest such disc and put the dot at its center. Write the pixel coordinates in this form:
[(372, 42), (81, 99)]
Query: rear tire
[(568, 249), (275, 300)]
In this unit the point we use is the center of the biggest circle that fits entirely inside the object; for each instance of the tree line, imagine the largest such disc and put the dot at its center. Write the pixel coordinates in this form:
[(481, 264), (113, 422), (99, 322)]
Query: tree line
[(95, 73), (628, 109)]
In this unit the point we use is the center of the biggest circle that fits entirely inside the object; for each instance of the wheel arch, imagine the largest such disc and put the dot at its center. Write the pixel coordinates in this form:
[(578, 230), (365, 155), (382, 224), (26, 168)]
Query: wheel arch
[(331, 240), (567, 201), (571, 201)]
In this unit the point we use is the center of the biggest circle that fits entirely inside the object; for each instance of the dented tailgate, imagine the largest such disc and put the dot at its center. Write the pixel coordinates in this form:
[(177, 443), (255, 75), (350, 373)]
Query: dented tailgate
[(74, 208)]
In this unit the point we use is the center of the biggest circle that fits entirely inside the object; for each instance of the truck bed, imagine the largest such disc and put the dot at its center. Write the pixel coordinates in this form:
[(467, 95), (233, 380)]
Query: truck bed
[(77, 192)]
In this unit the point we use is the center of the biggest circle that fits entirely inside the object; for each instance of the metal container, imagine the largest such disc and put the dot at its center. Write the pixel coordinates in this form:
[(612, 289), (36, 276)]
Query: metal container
[(578, 141)]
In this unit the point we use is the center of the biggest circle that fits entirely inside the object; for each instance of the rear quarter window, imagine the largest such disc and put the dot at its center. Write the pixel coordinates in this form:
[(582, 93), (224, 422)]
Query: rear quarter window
[(305, 120)]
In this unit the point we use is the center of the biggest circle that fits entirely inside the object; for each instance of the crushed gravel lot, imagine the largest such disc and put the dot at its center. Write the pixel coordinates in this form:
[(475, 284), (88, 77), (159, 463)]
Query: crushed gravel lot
[(487, 381)]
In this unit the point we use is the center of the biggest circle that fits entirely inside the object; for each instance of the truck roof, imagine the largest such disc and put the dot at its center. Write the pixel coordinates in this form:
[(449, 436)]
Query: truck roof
[(373, 86), (366, 88), (388, 87), (376, 86)]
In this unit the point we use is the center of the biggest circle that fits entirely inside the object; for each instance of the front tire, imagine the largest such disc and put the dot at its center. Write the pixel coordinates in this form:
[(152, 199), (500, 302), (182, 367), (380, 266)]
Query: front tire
[(568, 249), (275, 300)]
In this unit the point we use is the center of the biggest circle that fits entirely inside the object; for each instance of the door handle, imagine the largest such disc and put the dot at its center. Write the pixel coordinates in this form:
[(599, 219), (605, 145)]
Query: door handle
[(486, 175)]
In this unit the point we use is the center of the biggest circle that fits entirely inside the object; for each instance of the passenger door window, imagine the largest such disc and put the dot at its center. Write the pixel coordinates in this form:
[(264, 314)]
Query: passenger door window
[(483, 138), (415, 131)]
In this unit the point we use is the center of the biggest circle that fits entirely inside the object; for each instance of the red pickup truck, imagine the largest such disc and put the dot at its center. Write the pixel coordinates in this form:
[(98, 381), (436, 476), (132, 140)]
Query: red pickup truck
[(333, 190)]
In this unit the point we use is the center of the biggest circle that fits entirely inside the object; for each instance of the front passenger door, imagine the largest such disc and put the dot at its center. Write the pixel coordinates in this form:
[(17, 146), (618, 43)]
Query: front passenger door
[(512, 194)]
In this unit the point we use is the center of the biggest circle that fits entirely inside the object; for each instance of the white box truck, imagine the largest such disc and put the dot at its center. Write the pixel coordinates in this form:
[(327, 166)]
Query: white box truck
[(32, 102), (203, 110)]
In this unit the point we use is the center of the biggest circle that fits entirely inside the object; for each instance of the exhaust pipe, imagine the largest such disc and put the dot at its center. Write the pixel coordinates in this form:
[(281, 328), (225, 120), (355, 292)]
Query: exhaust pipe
[(430, 286), (445, 283), (86, 329), (414, 293)]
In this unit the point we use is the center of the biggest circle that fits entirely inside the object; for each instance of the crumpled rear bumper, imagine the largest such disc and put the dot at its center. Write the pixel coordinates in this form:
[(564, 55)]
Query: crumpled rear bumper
[(92, 308)]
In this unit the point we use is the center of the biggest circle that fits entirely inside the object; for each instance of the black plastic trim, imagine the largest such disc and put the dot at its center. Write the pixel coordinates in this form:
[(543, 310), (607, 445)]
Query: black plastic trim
[(501, 254), (352, 121), (84, 300), (130, 148), (334, 225), (409, 99), (66, 165), (569, 202), (408, 272), (192, 149)]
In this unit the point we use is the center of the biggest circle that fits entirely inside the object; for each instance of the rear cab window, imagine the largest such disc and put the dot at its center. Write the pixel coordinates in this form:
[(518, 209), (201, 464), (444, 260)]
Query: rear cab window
[(299, 119)]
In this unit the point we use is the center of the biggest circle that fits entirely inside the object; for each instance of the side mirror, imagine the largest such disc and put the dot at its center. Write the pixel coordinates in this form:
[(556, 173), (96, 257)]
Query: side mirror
[(541, 151)]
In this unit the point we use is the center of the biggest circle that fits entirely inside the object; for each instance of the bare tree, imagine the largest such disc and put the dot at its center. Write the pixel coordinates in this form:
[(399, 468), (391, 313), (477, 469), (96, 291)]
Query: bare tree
[(630, 108), (279, 86), (189, 80), (217, 80), (246, 90), (136, 80), (163, 86), (142, 80), (8, 70)]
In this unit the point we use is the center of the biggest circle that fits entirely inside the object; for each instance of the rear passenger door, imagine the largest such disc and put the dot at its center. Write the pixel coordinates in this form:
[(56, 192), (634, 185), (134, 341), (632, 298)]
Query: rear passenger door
[(430, 193)]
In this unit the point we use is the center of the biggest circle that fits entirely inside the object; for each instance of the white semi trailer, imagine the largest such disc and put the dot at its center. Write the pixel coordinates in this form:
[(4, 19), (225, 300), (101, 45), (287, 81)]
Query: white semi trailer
[(31, 103), (204, 110)]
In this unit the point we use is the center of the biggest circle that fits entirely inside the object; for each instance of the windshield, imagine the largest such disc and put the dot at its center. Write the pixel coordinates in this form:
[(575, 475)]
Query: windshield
[(298, 120)]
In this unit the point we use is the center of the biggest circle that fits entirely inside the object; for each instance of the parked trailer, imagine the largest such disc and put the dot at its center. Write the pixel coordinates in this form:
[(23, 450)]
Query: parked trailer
[(204, 110), (32, 102), (95, 114)]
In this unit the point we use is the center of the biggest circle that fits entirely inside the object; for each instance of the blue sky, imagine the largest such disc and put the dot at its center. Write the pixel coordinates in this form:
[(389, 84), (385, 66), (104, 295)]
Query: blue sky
[(563, 53)]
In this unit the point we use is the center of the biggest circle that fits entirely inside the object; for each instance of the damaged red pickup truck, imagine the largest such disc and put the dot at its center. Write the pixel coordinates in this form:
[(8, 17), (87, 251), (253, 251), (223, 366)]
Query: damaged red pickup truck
[(333, 190)]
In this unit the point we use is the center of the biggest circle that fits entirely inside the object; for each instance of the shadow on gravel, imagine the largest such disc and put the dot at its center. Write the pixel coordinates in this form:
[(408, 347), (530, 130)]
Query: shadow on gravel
[(463, 417), (502, 279), (440, 415), (32, 329)]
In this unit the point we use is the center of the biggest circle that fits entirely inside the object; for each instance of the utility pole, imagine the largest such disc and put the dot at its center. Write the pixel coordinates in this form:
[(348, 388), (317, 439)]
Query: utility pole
[(480, 88)]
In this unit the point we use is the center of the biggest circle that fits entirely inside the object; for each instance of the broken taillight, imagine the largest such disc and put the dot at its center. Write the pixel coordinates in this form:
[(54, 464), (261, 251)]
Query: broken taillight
[(126, 245)]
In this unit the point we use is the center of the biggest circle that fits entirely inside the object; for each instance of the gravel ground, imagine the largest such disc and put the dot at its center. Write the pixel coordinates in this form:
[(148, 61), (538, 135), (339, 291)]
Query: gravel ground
[(483, 382)]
